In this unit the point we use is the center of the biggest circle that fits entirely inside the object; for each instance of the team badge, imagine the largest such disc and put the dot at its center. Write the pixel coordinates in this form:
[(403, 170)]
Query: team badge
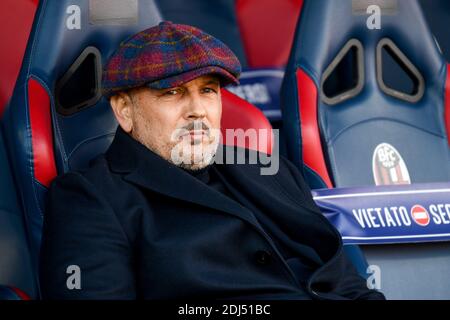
[(388, 166)]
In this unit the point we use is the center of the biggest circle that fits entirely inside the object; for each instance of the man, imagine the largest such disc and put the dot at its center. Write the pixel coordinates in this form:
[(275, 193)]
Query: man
[(155, 217)]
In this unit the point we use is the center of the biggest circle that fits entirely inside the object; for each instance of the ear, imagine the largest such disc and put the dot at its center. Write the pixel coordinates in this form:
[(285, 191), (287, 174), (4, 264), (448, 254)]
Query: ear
[(121, 105)]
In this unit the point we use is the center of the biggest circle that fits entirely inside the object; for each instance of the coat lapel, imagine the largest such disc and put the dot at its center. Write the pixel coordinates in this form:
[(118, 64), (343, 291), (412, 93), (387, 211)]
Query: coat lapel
[(143, 167)]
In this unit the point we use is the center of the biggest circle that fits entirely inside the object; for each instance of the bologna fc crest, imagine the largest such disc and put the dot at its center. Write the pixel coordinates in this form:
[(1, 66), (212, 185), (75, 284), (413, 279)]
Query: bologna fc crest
[(388, 166)]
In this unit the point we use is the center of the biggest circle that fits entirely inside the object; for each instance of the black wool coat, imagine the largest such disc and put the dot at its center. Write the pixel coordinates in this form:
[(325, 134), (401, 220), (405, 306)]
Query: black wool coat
[(134, 225)]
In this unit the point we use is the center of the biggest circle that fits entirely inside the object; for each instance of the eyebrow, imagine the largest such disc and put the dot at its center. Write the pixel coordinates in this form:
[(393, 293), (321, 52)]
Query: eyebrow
[(205, 83), (211, 81)]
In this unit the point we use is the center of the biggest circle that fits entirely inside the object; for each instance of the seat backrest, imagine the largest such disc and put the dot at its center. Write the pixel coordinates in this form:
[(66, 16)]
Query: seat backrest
[(344, 82), (364, 105), (237, 114), (267, 29)]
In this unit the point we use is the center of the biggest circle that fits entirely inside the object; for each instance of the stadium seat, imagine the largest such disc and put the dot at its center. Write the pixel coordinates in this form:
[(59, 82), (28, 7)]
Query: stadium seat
[(57, 120), (352, 89)]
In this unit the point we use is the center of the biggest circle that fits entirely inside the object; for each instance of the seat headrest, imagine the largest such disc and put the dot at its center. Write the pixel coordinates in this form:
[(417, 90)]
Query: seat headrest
[(326, 26)]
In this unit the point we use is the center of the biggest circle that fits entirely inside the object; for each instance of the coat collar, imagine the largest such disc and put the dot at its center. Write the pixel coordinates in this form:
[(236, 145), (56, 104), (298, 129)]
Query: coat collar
[(143, 167)]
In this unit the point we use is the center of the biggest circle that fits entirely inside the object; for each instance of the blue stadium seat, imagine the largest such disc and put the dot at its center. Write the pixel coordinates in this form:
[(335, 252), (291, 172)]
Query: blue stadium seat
[(56, 119), (351, 88)]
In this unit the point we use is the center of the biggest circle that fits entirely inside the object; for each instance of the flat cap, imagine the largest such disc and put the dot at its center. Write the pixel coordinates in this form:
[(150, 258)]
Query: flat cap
[(166, 56)]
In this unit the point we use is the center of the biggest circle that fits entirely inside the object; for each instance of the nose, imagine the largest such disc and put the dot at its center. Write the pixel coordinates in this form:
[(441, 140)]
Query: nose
[(195, 109)]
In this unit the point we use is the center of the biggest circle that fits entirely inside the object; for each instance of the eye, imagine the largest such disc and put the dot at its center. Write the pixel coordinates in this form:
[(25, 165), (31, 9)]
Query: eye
[(209, 90), (172, 92)]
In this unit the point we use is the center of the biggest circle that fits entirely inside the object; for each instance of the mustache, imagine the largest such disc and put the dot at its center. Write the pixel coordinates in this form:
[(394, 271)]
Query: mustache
[(196, 125)]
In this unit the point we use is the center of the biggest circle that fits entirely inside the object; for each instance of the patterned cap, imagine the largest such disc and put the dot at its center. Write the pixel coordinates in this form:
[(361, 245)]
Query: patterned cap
[(167, 56)]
